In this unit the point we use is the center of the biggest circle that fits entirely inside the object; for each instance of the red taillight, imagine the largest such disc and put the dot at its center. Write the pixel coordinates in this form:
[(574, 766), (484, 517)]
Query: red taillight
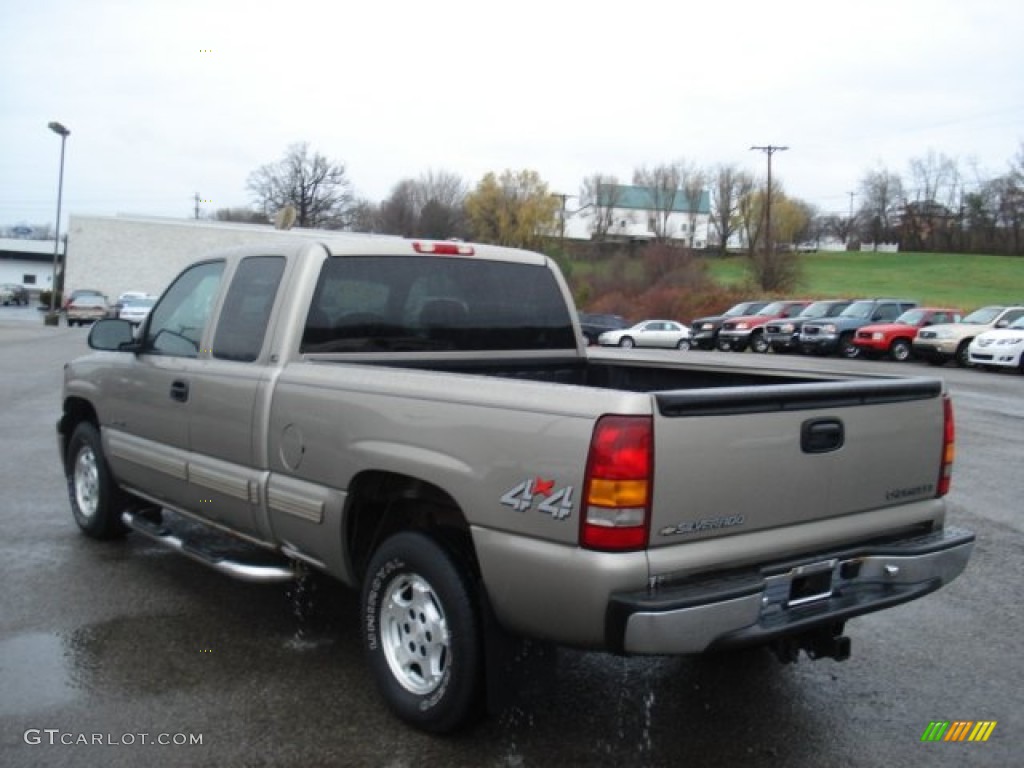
[(443, 249), (948, 447), (618, 488)]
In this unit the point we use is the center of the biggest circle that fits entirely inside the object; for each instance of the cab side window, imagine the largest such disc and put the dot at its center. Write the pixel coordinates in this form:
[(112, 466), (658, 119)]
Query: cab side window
[(246, 311), (178, 321)]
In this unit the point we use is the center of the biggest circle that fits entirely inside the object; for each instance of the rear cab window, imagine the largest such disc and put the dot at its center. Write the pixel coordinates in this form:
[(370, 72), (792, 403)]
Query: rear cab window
[(432, 304)]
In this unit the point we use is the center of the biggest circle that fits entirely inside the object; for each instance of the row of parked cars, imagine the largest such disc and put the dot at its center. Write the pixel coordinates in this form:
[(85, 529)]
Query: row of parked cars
[(87, 306), (899, 329)]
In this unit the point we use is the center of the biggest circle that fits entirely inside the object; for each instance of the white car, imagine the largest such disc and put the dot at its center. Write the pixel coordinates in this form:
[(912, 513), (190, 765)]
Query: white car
[(667, 334), (1002, 347), (136, 310)]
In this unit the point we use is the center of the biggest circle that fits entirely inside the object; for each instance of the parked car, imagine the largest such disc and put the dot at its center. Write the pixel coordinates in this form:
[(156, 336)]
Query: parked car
[(939, 344), (895, 339), (999, 348), (594, 324), (12, 293), (783, 335), (704, 330), (666, 334), (124, 298), (86, 309), (824, 337), (79, 292), (136, 310), (738, 333)]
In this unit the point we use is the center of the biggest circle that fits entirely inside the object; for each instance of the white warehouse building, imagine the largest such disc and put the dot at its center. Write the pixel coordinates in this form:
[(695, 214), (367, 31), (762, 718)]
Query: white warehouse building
[(115, 254)]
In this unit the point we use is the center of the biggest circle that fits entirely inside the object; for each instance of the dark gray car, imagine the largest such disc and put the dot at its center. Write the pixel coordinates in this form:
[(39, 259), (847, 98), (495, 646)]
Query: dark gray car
[(783, 335)]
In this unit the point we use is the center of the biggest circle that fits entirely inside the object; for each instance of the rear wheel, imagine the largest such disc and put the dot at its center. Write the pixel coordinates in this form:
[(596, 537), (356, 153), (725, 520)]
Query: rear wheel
[(899, 350), (422, 633), (96, 501)]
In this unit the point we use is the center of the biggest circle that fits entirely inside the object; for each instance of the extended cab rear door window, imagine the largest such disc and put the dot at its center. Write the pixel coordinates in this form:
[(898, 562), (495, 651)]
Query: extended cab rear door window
[(246, 311), (178, 321)]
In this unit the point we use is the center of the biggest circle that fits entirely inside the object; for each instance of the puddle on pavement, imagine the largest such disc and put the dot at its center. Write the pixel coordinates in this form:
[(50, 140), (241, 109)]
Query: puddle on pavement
[(33, 673)]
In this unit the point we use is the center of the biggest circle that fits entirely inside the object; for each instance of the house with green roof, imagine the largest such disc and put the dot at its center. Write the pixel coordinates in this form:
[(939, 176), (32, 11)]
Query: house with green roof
[(636, 213)]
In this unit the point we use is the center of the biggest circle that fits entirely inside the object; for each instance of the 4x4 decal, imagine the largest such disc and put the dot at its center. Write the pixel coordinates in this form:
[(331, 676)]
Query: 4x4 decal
[(556, 502)]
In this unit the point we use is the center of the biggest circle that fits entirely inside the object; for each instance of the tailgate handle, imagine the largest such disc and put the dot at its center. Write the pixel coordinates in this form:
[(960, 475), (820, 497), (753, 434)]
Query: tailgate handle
[(821, 435)]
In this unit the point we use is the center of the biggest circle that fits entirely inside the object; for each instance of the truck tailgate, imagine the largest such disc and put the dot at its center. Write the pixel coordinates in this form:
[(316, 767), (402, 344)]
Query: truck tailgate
[(745, 459)]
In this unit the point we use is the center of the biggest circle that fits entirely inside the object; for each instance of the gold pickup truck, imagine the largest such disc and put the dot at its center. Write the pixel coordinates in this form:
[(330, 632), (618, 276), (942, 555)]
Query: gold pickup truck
[(423, 422)]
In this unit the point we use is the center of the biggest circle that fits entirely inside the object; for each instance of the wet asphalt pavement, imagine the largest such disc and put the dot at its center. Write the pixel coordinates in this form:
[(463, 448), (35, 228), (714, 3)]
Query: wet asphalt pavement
[(124, 654)]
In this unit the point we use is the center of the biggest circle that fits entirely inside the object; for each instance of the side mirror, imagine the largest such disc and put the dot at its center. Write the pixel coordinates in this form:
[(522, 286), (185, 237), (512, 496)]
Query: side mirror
[(111, 335)]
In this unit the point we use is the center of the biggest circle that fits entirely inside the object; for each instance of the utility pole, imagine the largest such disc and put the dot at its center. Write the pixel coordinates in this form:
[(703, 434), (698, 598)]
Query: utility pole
[(196, 198), (769, 150), (849, 222)]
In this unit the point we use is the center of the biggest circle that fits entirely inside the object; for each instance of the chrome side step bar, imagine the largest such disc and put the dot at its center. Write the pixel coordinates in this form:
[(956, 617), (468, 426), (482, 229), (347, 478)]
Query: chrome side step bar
[(265, 567)]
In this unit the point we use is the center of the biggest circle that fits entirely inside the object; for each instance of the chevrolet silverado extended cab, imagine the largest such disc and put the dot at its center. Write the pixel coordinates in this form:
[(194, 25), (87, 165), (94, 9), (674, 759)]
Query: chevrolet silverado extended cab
[(422, 422)]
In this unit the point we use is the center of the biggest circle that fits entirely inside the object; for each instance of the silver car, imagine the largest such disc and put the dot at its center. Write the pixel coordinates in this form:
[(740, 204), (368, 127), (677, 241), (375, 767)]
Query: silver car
[(666, 334)]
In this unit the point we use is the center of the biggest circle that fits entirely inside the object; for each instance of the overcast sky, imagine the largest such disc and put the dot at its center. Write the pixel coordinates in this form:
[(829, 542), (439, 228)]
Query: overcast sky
[(168, 99)]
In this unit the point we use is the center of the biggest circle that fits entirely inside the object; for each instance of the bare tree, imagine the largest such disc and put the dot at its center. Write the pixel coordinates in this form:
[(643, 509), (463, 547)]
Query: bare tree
[(600, 195), (751, 218), (928, 219), (729, 187), (431, 206), (365, 216), (881, 200), (662, 184), (317, 188), (399, 213), (692, 183), (775, 270)]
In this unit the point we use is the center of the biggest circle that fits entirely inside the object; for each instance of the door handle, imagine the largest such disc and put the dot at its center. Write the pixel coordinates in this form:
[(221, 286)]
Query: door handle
[(179, 391)]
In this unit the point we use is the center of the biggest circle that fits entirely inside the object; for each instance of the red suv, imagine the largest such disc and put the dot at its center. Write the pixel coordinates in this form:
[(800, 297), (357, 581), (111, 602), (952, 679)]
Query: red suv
[(894, 339)]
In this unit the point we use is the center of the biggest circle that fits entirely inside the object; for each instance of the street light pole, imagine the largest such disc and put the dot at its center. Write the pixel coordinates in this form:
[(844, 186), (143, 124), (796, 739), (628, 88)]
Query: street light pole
[(60, 130), (769, 150)]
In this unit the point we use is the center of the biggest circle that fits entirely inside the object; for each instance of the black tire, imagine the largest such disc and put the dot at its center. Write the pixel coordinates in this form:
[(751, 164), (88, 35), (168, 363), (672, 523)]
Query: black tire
[(963, 357), (899, 350), (96, 501), (683, 344), (847, 348), (758, 343), (626, 342), (419, 605)]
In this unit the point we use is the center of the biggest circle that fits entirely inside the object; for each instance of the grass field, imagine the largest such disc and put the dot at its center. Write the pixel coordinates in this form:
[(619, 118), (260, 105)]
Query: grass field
[(937, 279)]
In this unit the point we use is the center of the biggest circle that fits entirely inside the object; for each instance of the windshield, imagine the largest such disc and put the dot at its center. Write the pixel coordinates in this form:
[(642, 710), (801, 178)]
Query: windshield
[(820, 309), (859, 309), (744, 309), (775, 308), (983, 316), (911, 317)]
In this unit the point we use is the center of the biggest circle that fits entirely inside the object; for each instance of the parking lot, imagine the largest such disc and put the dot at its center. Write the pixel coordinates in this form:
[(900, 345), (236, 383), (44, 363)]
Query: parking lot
[(122, 654)]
